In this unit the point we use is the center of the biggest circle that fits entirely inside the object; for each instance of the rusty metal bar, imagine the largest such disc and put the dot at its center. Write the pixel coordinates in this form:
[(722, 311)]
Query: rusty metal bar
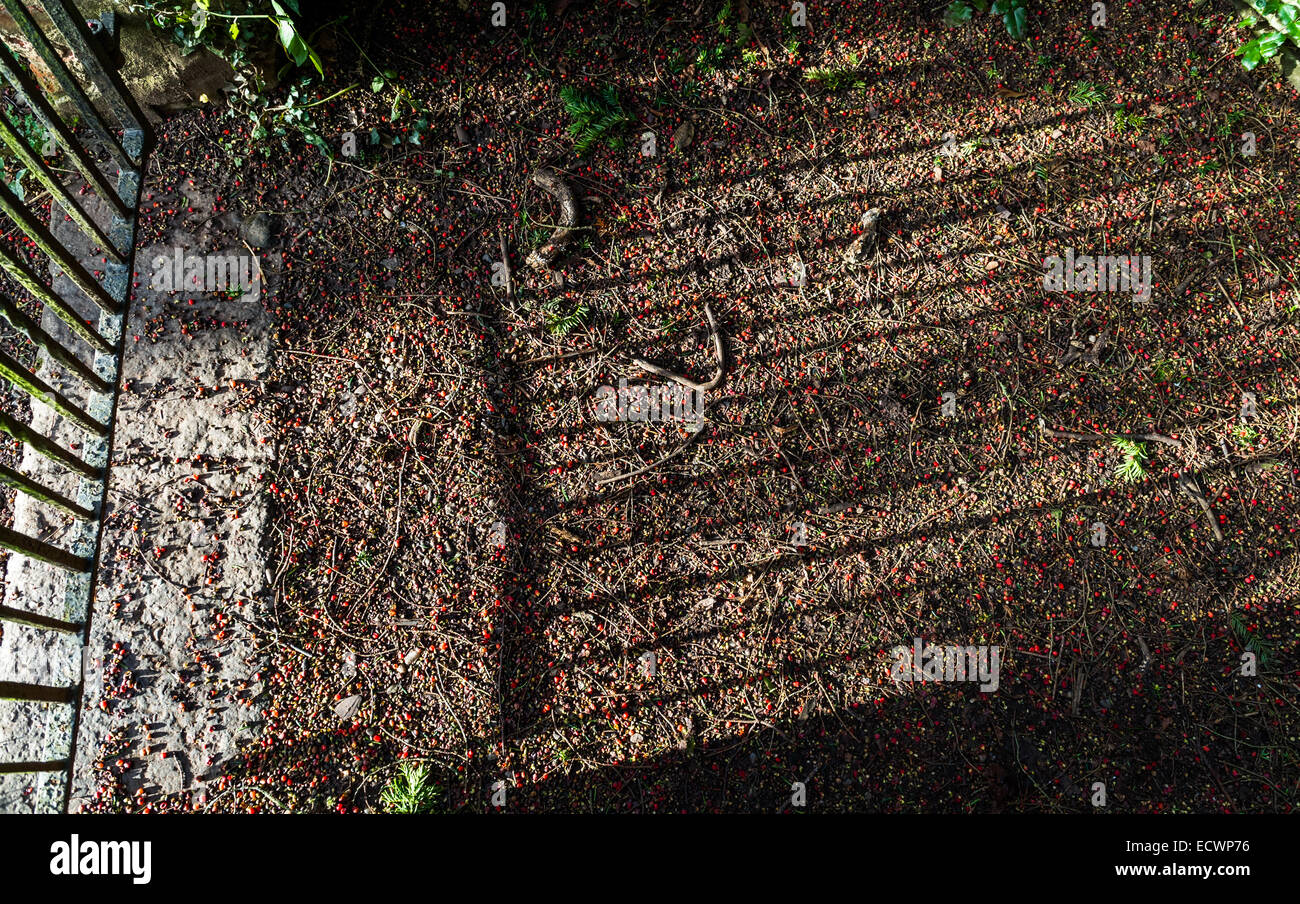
[(22, 274), (47, 766), (103, 74), (38, 389), (54, 250), (39, 549), (46, 446), (51, 346)]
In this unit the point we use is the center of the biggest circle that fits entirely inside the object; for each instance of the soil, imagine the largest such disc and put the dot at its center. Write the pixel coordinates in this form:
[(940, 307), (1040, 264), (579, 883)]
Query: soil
[(915, 441)]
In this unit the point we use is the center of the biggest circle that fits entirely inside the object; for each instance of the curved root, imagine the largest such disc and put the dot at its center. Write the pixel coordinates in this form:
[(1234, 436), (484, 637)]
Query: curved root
[(550, 182)]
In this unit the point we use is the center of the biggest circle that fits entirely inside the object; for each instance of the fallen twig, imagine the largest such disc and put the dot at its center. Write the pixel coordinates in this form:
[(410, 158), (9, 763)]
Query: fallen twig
[(1187, 483), (695, 434), (550, 182), (686, 381), (1099, 437), (711, 384), (505, 266)]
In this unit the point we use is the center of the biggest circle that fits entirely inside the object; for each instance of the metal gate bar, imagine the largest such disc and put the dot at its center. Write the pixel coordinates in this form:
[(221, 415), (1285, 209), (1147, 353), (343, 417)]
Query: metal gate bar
[(92, 353)]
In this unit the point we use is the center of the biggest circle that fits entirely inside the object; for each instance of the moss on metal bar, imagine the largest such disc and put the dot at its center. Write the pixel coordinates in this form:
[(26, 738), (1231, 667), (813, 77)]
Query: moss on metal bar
[(46, 446), (38, 389), (25, 484), (37, 167), (21, 274), (28, 327)]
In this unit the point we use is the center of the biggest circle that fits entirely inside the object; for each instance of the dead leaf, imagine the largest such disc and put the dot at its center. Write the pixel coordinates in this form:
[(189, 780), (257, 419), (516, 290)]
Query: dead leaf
[(348, 707), (1008, 94), (1145, 146), (684, 135), (563, 534)]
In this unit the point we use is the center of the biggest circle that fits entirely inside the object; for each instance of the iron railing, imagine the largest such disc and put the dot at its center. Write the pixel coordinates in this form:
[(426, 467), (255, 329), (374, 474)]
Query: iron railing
[(65, 375)]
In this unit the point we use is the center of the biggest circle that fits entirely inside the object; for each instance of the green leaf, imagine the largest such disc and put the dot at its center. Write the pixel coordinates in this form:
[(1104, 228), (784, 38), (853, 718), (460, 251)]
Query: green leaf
[(1269, 44), (377, 84), (1020, 18), (957, 13), (288, 33), (298, 49)]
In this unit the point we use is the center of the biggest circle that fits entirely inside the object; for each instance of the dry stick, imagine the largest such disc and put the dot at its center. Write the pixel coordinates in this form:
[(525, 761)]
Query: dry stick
[(1236, 310), (1096, 437), (550, 182), (552, 358), (1187, 483), (698, 387), (650, 467), (689, 383), (505, 265)]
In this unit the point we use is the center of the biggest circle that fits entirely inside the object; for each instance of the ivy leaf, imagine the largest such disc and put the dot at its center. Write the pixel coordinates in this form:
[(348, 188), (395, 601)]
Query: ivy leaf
[(285, 25), (1269, 44), (1250, 55), (298, 49), (957, 13), (1018, 23)]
